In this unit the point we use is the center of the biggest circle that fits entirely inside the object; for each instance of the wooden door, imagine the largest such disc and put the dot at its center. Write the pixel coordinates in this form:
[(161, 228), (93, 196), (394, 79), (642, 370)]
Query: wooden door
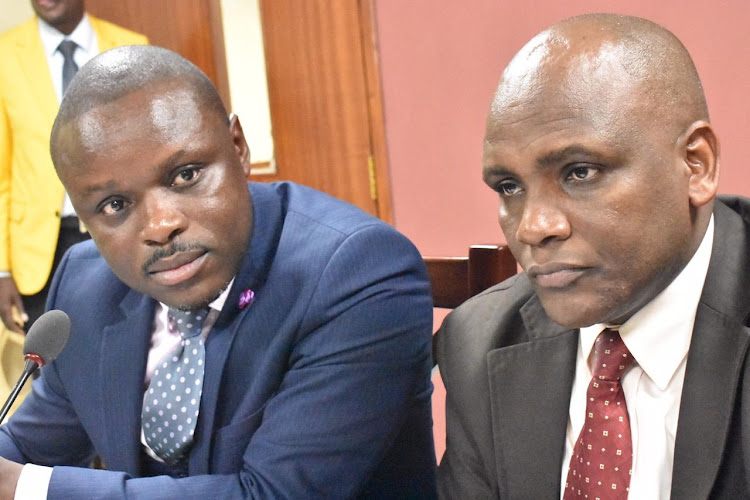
[(324, 84), (191, 28), (324, 93)]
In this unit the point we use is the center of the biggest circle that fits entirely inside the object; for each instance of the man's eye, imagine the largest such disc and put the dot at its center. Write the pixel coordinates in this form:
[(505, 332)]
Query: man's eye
[(508, 188), (113, 206), (186, 176), (582, 173)]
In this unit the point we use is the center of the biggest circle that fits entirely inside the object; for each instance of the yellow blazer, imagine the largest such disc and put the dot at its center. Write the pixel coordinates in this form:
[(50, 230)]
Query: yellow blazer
[(31, 195)]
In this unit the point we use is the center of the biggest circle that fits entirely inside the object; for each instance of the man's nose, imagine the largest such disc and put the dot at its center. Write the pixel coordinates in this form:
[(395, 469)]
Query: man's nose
[(542, 221), (163, 219)]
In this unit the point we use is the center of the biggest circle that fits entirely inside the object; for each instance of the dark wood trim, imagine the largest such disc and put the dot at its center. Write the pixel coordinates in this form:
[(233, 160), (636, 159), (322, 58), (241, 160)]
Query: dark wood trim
[(221, 75), (371, 62)]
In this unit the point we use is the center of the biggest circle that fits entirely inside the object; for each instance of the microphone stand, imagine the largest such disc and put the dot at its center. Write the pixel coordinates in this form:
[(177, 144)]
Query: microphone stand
[(29, 367)]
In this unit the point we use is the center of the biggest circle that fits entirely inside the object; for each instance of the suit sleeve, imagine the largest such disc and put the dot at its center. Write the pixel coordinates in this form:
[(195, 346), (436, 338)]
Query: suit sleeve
[(359, 369), (45, 429)]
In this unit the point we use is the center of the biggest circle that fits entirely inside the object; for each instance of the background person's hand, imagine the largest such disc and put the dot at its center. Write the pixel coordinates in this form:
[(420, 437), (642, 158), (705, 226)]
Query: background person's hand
[(12, 311)]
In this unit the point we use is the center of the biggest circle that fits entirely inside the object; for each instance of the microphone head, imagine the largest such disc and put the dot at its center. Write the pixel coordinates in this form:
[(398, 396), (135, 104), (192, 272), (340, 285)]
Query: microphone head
[(47, 336)]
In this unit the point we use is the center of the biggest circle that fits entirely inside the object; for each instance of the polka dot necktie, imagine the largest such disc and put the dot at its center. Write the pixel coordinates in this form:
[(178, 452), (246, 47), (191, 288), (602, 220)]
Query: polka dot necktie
[(171, 402), (67, 48), (603, 454)]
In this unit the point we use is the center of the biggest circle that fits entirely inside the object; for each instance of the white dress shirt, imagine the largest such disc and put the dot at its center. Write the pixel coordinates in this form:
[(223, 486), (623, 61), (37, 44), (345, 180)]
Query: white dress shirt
[(34, 480), (658, 336), (83, 35)]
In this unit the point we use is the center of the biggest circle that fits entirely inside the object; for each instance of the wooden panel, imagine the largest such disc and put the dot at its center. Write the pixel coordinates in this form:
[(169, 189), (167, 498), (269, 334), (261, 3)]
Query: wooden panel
[(449, 280), (488, 266), (191, 28), (456, 279), (370, 57), (318, 96)]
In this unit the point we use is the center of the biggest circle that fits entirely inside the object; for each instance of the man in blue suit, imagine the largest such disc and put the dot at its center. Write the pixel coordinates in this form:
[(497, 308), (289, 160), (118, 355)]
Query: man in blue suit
[(316, 349)]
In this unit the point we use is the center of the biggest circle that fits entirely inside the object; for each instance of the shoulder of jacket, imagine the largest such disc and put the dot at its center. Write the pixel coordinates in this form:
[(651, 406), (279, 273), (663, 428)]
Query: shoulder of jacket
[(18, 32), (487, 320)]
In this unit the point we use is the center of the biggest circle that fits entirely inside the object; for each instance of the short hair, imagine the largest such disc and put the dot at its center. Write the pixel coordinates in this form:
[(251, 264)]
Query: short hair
[(120, 71)]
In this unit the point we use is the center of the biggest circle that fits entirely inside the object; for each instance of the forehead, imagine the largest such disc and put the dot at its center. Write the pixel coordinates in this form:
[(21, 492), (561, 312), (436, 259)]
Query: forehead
[(167, 113), (552, 95)]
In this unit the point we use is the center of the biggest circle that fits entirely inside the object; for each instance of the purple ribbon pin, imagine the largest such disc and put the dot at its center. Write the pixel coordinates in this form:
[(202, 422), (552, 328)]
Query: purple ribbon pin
[(246, 298)]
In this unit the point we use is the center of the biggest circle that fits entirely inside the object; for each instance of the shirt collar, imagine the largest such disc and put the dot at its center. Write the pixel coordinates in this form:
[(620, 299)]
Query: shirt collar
[(83, 35), (658, 336)]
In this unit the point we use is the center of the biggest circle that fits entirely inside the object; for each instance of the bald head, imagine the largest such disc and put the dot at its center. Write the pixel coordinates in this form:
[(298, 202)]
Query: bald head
[(598, 59), (116, 73)]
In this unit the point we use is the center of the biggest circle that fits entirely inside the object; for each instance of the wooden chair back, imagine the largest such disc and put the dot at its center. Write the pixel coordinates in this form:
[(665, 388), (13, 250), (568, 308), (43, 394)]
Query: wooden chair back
[(455, 279)]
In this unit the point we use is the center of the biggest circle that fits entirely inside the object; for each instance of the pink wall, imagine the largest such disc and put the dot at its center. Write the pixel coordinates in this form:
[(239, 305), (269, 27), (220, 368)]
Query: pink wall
[(440, 62)]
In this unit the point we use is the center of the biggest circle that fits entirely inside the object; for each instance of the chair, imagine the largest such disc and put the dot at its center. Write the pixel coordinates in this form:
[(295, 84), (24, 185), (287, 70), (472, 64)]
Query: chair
[(455, 279)]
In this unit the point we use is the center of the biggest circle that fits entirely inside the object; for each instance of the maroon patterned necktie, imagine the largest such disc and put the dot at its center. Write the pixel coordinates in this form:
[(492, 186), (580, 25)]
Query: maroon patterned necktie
[(603, 454)]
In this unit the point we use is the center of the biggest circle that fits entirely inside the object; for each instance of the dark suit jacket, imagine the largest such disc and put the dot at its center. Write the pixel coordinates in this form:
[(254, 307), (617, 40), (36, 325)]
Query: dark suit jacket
[(320, 388), (506, 440)]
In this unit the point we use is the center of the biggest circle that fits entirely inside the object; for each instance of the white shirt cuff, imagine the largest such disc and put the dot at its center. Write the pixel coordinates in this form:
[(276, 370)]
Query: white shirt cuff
[(33, 482)]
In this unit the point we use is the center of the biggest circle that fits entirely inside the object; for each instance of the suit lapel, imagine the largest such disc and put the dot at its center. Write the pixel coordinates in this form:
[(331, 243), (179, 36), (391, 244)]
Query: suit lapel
[(218, 345), (33, 62), (268, 220), (124, 349), (714, 366), (530, 385), (717, 354)]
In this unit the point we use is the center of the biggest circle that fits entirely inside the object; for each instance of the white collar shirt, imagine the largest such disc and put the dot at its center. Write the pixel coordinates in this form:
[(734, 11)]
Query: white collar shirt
[(85, 37), (658, 336)]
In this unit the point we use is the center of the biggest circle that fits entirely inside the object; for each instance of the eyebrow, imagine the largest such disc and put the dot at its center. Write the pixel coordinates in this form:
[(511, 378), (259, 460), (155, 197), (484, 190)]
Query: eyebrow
[(112, 185), (556, 157), (548, 160), (106, 186)]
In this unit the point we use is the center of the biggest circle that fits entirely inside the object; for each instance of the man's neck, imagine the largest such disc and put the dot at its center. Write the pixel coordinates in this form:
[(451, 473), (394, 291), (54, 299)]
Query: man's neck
[(65, 28)]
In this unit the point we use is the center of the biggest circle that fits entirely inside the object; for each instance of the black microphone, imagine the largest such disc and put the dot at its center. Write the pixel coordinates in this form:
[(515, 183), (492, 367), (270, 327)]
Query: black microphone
[(44, 342)]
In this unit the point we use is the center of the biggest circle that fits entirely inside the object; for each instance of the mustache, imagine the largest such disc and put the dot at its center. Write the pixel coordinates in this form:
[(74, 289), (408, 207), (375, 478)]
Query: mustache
[(162, 253)]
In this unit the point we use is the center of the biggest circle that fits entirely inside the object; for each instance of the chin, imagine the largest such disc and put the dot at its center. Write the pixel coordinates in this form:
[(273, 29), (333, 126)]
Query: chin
[(572, 312)]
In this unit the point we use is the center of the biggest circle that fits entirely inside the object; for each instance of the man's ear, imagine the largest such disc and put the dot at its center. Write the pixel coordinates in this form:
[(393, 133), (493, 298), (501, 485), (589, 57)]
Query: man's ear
[(701, 156), (240, 144)]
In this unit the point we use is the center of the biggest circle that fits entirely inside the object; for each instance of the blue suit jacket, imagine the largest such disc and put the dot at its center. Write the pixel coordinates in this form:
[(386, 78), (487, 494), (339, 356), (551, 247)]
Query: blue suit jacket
[(321, 388)]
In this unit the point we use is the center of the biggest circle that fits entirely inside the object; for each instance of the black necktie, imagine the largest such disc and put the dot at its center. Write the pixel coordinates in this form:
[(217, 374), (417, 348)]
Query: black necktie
[(67, 48)]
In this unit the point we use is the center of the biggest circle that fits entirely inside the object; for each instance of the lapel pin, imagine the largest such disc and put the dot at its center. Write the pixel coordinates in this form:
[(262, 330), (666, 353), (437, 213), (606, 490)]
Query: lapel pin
[(246, 298)]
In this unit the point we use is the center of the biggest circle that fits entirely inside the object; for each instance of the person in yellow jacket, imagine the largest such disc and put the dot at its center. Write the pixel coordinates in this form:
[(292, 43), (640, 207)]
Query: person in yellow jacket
[(37, 222)]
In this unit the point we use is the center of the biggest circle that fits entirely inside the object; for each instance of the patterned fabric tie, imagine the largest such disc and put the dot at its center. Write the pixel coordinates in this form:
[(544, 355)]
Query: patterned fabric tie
[(171, 402), (603, 454), (67, 48)]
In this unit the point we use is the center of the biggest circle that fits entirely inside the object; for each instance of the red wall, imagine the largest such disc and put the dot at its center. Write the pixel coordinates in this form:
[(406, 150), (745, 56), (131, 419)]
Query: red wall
[(440, 61)]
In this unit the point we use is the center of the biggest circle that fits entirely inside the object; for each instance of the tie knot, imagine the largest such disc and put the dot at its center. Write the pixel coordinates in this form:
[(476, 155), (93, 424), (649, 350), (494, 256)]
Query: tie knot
[(611, 356), (67, 48), (187, 323)]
